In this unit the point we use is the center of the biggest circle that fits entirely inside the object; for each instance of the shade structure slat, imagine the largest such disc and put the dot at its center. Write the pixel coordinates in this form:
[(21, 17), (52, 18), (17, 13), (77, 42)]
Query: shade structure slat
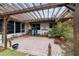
[(32, 11)]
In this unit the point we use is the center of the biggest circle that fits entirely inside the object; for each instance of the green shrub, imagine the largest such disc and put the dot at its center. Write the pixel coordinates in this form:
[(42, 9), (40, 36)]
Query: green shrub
[(56, 32), (0, 32), (65, 30)]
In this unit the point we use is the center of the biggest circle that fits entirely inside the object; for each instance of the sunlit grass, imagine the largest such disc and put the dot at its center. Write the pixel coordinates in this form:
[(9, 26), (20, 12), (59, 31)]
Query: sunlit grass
[(9, 52)]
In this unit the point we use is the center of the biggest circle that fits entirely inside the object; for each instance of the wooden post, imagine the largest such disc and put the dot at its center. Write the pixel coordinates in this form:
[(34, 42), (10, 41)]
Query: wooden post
[(5, 31), (49, 49), (76, 31)]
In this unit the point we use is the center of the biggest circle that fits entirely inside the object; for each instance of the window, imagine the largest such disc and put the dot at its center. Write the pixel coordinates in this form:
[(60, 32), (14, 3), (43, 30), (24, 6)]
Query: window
[(23, 27), (17, 27), (36, 26), (0, 25), (50, 25), (10, 27)]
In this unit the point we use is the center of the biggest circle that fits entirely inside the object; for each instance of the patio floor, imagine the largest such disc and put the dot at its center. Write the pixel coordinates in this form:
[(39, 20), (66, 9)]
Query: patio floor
[(37, 45)]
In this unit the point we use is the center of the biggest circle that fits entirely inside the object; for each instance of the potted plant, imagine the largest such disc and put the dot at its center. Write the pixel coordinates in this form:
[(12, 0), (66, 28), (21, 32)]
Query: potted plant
[(57, 33)]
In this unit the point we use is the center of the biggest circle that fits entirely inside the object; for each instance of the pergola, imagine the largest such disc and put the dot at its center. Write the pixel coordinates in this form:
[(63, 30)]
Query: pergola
[(31, 12)]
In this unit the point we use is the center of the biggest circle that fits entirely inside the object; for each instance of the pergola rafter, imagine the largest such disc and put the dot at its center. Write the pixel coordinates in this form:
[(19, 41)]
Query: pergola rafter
[(31, 9), (65, 14), (21, 15), (52, 13), (42, 11), (21, 6), (31, 13), (61, 15), (58, 12), (37, 11), (48, 13)]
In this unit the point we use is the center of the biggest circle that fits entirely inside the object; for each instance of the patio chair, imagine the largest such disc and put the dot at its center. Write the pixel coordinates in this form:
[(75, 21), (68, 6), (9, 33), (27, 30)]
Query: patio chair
[(15, 46)]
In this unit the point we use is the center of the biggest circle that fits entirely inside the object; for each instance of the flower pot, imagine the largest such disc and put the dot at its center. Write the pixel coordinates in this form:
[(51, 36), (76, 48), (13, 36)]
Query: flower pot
[(59, 40), (2, 48), (62, 39)]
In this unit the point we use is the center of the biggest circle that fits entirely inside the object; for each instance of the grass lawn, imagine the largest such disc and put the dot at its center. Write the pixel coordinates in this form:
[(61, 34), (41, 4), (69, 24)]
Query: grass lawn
[(9, 52)]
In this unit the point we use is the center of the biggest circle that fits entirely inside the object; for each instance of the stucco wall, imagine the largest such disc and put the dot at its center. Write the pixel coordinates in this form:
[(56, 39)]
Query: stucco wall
[(44, 28), (27, 27)]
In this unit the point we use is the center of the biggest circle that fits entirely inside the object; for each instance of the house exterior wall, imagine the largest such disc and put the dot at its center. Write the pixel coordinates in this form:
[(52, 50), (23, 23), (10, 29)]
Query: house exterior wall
[(44, 28), (27, 27)]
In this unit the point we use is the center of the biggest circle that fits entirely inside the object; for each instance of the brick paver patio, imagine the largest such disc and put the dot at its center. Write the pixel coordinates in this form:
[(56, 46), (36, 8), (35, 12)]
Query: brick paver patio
[(37, 46)]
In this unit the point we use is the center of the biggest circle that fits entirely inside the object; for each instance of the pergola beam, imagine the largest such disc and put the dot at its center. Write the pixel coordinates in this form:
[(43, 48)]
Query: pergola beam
[(71, 6), (64, 19), (60, 20), (31, 9)]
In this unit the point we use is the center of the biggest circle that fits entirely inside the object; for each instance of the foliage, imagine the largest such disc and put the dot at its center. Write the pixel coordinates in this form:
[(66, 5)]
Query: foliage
[(64, 29), (0, 32), (56, 32), (67, 30)]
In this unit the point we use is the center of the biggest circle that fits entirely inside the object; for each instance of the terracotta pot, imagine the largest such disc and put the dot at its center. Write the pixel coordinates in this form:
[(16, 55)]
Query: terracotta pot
[(62, 39), (2, 49), (59, 40)]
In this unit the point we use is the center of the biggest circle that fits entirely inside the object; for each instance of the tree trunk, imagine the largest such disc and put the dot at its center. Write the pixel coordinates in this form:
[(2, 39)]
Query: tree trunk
[(76, 31)]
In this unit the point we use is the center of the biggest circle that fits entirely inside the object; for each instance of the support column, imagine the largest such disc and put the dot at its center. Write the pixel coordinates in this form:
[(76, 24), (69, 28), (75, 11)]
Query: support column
[(14, 27), (5, 18), (76, 31)]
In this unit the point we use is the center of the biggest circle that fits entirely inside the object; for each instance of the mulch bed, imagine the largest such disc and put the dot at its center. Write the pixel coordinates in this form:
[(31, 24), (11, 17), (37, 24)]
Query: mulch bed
[(2, 48)]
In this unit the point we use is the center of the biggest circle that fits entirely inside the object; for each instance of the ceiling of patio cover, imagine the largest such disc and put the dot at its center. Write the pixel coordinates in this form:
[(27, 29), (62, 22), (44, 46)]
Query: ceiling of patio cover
[(37, 15)]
